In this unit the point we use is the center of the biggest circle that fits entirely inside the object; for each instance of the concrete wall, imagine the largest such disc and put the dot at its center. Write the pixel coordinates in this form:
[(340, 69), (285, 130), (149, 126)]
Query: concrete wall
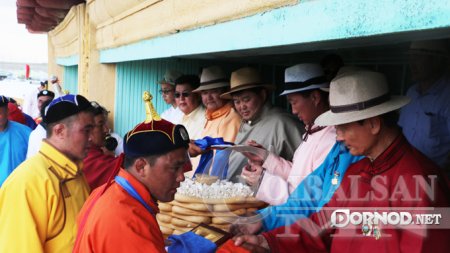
[(73, 42), (306, 26), (121, 22), (101, 33), (112, 23)]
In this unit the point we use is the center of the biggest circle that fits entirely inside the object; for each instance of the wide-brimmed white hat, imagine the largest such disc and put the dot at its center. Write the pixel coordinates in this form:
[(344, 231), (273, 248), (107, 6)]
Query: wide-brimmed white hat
[(212, 78), (303, 77), (429, 47), (244, 79), (170, 76), (358, 95)]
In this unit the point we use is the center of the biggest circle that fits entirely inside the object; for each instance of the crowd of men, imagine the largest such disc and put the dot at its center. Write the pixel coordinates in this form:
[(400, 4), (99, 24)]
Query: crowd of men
[(345, 146)]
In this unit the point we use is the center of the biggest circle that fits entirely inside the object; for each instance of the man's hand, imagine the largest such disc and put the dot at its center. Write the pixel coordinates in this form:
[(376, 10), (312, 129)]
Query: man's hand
[(246, 226), (252, 243), (256, 158), (194, 150), (252, 173)]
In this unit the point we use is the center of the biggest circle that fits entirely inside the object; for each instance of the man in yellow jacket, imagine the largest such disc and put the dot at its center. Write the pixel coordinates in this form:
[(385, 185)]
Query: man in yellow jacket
[(40, 200)]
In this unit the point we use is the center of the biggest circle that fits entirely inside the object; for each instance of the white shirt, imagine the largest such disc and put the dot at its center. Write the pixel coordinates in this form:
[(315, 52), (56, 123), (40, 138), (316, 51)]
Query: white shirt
[(57, 90), (34, 143), (30, 104), (195, 122), (172, 114)]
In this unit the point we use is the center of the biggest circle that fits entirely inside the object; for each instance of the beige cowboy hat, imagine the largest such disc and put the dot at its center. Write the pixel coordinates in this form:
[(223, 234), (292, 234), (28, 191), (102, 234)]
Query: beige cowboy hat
[(429, 47), (358, 95), (303, 77), (212, 78), (170, 76), (343, 70), (244, 79)]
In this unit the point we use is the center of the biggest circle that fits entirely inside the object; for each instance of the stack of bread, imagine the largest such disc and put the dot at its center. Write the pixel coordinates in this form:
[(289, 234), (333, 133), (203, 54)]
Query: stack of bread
[(206, 200)]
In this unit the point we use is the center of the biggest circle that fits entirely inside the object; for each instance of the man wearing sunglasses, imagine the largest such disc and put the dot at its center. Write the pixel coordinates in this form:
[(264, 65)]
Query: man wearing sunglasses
[(173, 113), (189, 104), (40, 200)]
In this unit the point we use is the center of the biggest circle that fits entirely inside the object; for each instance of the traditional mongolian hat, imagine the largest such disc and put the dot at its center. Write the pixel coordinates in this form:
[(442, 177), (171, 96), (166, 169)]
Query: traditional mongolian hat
[(3, 100), (66, 106), (154, 136), (46, 93)]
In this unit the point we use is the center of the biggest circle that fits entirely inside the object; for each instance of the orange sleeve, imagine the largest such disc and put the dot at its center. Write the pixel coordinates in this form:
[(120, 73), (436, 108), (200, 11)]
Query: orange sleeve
[(113, 229)]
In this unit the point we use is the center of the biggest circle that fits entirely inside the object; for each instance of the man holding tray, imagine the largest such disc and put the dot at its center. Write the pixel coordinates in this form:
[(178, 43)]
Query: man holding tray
[(120, 215)]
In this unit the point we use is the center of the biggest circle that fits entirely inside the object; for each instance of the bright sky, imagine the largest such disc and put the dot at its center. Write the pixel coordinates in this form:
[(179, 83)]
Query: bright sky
[(16, 43)]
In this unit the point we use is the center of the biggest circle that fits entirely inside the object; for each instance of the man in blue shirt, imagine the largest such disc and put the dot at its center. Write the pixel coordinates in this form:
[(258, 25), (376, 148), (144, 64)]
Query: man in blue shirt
[(309, 196), (426, 119), (13, 141)]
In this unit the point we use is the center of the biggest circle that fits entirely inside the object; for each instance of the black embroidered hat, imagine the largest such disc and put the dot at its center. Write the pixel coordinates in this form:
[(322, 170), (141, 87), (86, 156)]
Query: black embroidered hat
[(154, 136), (3, 101), (46, 93), (66, 106)]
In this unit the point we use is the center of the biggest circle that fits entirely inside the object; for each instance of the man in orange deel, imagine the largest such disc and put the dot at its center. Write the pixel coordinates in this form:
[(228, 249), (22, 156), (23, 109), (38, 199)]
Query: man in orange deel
[(120, 215)]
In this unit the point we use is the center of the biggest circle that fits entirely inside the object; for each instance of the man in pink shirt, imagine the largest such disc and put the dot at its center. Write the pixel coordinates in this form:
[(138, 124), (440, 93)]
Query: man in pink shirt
[(279, 177)]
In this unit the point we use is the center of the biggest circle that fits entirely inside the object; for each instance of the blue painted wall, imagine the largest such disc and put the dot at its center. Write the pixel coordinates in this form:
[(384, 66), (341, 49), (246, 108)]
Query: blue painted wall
[(133, 78), (68, 61), (305, 23), (71, 79)]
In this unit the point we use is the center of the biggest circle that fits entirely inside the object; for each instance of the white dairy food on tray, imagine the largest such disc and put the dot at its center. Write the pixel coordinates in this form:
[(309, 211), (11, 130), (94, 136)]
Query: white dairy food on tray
[(221, 189)]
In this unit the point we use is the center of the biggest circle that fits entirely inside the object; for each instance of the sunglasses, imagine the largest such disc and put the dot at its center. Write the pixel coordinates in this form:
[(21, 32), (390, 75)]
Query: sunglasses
[(165, 92), (184, 94)]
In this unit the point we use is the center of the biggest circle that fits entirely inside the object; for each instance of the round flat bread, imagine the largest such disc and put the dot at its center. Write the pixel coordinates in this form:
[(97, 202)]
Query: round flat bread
[(229, 207), (223, 220), (178, 232), (223, 227), (164, 207), (180, 228), (235, 200), (227, 214), (186, 211), (232, 207), (193, 218), (163, 217), (194, 206), (165, 230), (183, 223)]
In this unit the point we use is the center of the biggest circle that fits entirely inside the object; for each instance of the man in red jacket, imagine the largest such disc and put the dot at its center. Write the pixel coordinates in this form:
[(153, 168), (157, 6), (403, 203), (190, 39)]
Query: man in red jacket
[(394, 179), (98, 164)]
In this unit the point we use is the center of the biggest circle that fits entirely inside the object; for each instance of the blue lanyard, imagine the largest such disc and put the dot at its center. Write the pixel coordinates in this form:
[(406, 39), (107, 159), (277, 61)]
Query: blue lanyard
[(129, 188)]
